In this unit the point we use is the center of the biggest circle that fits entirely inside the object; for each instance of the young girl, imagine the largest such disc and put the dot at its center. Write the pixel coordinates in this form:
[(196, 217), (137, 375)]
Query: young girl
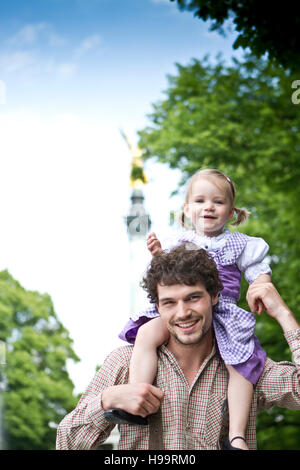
[(209, 204)]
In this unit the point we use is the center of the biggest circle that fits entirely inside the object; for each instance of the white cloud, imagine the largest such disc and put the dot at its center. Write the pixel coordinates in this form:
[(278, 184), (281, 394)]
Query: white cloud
[(66, 70), (29, 63), (60, 69), (56, 40), (32, 34), (25, 52), (89, 43), (27, 35), (11, 62)]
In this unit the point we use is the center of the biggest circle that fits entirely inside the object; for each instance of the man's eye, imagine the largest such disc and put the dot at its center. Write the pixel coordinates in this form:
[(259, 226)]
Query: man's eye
[(194, 297)]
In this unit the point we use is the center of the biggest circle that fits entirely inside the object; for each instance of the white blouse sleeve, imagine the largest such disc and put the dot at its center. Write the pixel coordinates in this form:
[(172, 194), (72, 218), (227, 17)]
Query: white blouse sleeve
[(254, 261), (171, 240)]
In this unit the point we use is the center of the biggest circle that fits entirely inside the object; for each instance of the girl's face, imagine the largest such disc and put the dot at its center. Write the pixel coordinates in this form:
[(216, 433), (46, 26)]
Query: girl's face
[(209, 207)]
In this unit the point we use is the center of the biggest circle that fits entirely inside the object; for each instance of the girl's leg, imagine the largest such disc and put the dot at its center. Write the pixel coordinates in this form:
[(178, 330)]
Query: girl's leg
[(143, 364), (240, 392)]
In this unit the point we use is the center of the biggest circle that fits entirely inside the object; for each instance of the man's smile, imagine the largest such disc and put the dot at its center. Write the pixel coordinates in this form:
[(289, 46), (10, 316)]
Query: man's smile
[(187, 326)]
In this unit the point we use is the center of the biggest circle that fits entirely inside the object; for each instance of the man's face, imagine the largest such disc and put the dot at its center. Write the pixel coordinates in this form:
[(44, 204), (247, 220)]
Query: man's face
[(186, 311)]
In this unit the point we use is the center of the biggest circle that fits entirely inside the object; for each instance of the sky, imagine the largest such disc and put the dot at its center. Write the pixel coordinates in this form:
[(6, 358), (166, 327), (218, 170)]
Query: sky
[(72, 74)]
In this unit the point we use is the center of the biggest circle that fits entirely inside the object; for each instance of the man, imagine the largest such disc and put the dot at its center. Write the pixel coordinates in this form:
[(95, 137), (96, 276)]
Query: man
[(187, 400)]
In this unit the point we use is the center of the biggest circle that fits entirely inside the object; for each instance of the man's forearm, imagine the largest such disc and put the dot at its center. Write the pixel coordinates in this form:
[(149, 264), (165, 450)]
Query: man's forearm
[(84, 428), (287, 320), (274, 304)]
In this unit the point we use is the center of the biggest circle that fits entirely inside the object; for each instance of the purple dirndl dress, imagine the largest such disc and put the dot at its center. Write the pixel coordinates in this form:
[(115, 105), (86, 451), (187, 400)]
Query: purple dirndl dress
[(233, 326)]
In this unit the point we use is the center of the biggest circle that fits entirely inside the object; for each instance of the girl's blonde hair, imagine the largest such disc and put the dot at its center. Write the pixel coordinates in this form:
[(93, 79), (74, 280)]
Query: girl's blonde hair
[(224, 183)]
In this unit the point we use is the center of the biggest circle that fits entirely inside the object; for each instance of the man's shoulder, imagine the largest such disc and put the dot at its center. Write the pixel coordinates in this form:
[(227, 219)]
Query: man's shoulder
[(120, 354)]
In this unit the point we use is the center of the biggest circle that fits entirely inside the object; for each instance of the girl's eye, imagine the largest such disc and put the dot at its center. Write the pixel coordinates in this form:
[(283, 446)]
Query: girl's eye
[(219, 202), (199, 200)]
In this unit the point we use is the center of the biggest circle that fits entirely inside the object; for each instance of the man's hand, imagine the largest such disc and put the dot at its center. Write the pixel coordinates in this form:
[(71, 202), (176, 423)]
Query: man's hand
[(255, 304), (139, 399), (267, 294), (153, 244)]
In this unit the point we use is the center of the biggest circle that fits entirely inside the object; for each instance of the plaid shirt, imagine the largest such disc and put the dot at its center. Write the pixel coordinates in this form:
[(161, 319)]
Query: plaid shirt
[(191, 415)]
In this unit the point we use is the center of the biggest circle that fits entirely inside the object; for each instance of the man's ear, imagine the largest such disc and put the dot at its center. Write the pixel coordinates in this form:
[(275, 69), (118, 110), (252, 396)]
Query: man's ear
[(215, 299)]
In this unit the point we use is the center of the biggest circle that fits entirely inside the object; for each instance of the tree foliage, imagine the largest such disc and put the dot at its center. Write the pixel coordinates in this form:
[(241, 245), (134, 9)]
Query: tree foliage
[(38, 390), (263, 27), (240, 118)]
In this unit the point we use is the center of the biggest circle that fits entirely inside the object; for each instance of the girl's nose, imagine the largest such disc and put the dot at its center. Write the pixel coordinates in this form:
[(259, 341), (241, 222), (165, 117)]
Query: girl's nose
[(209, 205)]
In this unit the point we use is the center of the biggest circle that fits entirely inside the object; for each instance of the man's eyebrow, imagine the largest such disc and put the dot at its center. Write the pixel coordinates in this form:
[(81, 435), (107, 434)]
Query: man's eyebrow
[(196, 292), (163, 299)]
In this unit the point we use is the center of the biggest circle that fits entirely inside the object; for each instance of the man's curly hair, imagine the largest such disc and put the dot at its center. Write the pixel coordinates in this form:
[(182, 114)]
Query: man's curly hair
[(185, 264)]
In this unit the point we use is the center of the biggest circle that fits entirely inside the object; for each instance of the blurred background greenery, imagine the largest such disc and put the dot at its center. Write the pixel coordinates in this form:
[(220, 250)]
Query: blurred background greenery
[(37, 390), (244, 119), (241, 120)]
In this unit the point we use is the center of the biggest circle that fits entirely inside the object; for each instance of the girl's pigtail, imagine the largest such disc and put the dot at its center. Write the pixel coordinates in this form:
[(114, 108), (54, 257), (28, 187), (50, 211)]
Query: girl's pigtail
[(182, 220), (241, 216)]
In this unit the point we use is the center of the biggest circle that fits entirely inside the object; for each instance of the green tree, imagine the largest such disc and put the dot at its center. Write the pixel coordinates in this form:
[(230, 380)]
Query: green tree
[(263, 27), (240, 118), (38, 390)]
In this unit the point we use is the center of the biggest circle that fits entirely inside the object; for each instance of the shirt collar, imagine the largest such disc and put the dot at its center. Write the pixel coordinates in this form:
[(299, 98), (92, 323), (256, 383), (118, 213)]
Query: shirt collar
[(172, 359)]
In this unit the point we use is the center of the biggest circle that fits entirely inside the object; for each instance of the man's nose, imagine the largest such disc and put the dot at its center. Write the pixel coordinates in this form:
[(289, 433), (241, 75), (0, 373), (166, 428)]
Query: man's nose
[(182, 310)]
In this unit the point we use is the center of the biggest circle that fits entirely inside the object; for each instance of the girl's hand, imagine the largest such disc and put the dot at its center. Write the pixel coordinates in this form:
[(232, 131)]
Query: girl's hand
[(153, 244)]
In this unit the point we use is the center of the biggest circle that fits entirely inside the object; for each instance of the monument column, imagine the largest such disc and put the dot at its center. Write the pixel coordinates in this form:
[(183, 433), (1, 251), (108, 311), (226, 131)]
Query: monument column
[(138, 225)]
